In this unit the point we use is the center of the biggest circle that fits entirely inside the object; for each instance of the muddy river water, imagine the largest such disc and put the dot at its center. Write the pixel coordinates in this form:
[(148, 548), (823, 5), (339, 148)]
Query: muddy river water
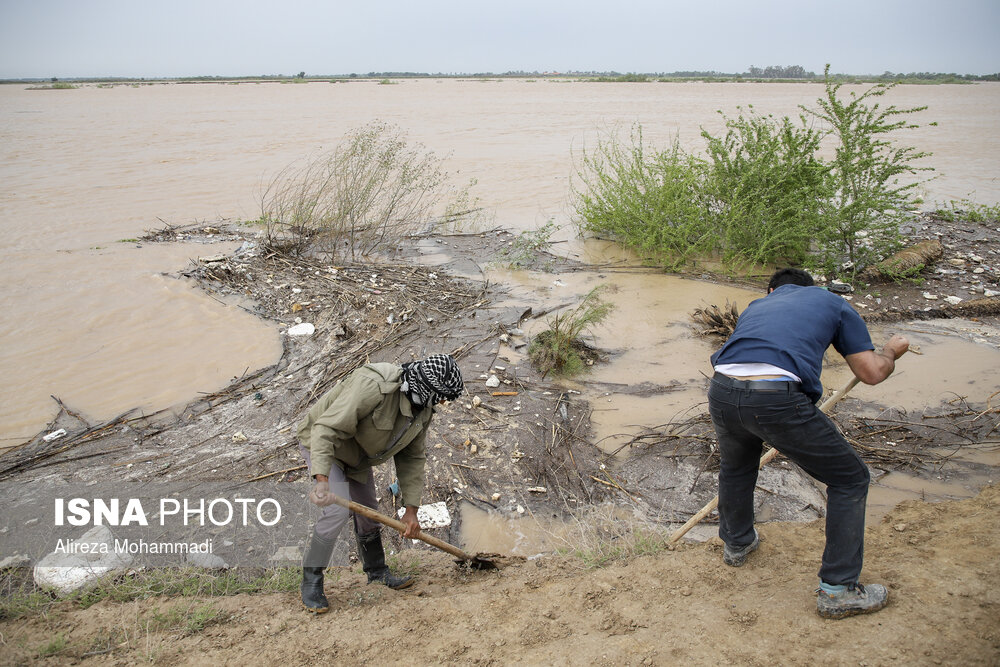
[(91, 317)]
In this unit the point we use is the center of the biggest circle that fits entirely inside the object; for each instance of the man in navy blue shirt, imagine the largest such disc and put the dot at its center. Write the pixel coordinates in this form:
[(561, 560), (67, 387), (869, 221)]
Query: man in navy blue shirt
[(765, 388)]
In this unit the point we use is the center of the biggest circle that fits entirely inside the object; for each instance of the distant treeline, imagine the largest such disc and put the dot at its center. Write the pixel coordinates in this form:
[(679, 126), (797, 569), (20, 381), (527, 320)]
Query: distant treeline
[(753, 73)]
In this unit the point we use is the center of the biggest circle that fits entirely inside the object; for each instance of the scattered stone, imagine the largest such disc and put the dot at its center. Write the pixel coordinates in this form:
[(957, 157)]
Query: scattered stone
[(476, 401), (239, 437), (209, 561), (17, 560), (68, 572), (304, 329), (899, 527), (493, 381)]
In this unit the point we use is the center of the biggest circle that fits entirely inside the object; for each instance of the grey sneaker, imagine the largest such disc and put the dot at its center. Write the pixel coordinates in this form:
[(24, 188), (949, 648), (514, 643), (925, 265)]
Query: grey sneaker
[(856, 599), (736, 557)]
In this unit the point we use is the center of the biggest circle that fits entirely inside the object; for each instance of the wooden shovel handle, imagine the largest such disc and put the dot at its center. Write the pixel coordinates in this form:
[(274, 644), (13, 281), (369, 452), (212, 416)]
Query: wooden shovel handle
[(764, 460), (400, 526)]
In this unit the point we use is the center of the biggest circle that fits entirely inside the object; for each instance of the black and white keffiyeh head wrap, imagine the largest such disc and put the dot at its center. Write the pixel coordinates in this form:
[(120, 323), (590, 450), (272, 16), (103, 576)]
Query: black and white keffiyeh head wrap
[(431, 380)]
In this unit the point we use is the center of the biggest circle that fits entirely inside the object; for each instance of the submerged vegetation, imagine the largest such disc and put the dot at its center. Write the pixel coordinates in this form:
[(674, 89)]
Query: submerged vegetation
[(763, 194), (560, 348)]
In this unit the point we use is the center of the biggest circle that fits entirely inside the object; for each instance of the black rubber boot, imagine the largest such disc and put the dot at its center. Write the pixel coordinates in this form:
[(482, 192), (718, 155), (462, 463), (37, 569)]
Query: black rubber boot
[(373, 560), (315, 561)]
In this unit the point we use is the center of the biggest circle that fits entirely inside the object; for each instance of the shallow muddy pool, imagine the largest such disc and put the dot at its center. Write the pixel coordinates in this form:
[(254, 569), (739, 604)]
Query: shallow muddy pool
[(658, 363)]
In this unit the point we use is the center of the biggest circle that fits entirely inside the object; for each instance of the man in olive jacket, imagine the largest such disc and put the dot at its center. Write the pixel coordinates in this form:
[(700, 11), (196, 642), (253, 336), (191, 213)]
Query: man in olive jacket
[(379, 411)]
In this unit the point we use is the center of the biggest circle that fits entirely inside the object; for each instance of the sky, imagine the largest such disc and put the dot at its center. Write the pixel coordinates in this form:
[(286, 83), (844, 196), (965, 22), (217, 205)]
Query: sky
[(175, 38)]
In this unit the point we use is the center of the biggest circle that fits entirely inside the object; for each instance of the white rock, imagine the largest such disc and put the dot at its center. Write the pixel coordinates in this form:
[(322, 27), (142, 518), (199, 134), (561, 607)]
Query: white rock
[(476, 401), (435, 515), (67, 572), (976, 258), (304, 329), (209, 561), (493, 381), (953, 300), (979, 269), (286, 555)]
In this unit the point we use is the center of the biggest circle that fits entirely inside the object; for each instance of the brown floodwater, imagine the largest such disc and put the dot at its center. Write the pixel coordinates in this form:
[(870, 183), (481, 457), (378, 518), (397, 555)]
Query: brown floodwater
[(98, 323)]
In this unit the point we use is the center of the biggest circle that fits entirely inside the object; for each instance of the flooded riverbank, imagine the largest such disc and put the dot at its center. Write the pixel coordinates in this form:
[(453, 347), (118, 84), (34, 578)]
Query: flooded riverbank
[(90, 318)]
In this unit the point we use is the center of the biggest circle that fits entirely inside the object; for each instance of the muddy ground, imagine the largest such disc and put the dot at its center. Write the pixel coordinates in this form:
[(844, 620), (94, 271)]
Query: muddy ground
[(523, 450), (667, 608)]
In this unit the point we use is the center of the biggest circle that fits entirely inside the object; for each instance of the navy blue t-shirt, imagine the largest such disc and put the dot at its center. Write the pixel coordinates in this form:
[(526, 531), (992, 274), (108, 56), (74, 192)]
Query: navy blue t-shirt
[(791, 328)]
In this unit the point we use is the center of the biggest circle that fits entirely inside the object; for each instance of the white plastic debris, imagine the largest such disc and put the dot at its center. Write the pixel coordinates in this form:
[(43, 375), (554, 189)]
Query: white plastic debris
[(953, 300), (304, 329), (55, 435), (930, 297), (435, 515)]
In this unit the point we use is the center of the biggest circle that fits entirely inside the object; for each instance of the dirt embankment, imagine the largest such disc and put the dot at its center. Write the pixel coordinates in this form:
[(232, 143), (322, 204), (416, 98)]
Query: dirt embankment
[(667, 608)]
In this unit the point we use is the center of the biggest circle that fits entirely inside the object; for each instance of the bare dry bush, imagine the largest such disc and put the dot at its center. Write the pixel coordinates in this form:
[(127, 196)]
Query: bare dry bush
[(361, 197)]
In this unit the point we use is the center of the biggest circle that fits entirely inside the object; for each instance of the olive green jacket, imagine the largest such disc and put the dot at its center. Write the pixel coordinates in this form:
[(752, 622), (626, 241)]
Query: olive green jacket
[(365, 420)]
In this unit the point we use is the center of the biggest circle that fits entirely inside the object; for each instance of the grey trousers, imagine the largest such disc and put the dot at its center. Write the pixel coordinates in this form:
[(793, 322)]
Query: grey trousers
[(333, 517)]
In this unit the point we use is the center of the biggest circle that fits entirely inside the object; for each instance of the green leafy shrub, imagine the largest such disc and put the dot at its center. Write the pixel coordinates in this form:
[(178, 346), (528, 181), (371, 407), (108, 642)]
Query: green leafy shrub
[(866, 202), (655, 201), (765, 183), (526, 245), (764, 194)]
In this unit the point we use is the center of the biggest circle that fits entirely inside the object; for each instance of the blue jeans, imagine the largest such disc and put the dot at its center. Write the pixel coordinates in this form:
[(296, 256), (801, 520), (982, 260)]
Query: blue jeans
[(780, 414)]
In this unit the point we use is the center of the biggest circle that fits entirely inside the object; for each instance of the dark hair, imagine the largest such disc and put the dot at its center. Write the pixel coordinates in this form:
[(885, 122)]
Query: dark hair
[(790, 277)]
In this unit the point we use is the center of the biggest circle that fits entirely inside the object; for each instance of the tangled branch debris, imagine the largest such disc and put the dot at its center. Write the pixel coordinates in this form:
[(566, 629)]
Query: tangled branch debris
[(717, 321)]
